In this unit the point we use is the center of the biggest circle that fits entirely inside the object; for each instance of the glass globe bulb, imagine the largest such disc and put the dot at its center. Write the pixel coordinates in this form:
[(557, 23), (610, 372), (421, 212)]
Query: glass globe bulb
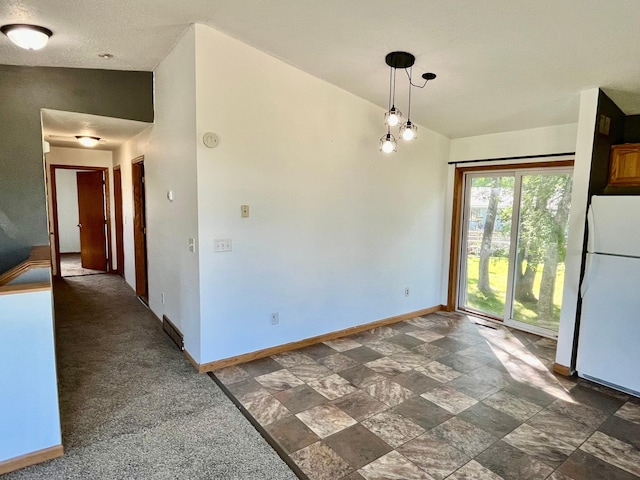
[(388, 143), (408, 131), (393, 117)]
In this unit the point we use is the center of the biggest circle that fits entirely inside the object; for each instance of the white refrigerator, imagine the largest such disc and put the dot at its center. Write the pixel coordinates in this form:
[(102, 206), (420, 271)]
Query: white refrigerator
[(609, 336)]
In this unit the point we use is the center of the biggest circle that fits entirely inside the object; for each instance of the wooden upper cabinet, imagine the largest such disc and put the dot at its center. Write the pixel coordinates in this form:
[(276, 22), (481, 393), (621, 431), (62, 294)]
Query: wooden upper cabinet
[(624, 170)]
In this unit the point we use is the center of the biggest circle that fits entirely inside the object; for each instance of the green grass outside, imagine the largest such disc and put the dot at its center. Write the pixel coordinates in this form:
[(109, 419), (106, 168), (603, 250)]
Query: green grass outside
[(494, 303)]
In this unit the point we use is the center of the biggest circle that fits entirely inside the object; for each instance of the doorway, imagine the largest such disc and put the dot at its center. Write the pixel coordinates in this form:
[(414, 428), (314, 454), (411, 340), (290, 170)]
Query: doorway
[(81, 219), (512, 237), (117, 204), (140, 229)]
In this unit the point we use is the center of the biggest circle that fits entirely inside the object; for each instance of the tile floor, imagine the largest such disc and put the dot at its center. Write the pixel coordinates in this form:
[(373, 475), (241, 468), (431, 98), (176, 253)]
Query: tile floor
[(438, 397)]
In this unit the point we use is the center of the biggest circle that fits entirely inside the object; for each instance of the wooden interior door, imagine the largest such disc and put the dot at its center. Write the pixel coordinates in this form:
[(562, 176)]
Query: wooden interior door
[(91, 213), (139, 229), (117, 201)]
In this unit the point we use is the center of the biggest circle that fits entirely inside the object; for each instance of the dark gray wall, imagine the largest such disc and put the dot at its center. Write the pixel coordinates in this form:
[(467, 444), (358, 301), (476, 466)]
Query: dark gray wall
[(632, 129), (23, 92)]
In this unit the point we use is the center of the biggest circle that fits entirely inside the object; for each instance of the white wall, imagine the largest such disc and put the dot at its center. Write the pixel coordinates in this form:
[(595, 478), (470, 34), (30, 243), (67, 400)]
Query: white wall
[(29, 414), (337, 230), (81, 157), (170, 164), (67, 202), (534, 141), (128, 151), (577, 219)]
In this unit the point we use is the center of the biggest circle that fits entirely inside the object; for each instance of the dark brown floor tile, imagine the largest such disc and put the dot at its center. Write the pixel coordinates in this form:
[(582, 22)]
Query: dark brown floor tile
[(474, 471), (261, 366), (474, 387), (242, 388), (437, 458), (359, 405), (361, 376), (337, 362), (300, 398), (319, 462), (460, 363), (291, 434), (534, 395), (513, 464), (404, 340), (422, 412), (404, 327), (362, 354), (357, 445), (416, 382), (589, 416), (489, 419), (450, 344), (561, 426), (623, 430), (464, 436), (539, 445), (354, 476), (431, 352), (583, 466), (597, 399), (319, 350)]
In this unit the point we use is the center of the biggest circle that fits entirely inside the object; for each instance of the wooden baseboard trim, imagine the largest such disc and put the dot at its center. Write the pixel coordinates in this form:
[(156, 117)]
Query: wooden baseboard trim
[(192, 360), (562, 370), (29, 459), (247, 357)]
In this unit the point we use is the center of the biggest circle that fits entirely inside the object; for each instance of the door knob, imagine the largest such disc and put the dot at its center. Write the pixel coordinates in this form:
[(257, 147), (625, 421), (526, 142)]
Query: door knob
[(79, 225)]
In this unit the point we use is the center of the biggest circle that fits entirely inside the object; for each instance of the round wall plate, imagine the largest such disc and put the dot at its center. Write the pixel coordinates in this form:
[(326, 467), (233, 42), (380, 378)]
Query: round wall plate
[(211, 140)]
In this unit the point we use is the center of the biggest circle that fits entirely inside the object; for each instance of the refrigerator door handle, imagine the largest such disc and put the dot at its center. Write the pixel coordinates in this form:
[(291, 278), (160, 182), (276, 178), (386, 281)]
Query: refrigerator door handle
[(591, 231), (586, 280)]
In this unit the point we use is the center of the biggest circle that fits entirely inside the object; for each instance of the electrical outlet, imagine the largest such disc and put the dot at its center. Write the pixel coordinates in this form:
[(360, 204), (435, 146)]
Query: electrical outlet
[(274, 318), (407, 292), (222, 245)]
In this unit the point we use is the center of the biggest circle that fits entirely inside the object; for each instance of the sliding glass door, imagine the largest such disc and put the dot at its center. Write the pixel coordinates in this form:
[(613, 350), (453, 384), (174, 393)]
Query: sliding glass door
[(513, 246)]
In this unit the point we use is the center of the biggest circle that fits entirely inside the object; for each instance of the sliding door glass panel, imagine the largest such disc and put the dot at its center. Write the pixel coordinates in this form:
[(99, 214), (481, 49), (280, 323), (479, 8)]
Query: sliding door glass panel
[(487, 243), (541, 248)]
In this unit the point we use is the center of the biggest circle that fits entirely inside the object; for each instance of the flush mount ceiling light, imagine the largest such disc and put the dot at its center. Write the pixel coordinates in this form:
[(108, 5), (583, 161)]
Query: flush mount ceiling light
[(88, 141), (29, 37), (393, 117)]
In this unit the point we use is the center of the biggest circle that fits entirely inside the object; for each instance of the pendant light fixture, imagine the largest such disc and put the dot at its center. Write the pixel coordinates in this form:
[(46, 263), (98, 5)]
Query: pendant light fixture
[(393, 117), (29, 37)]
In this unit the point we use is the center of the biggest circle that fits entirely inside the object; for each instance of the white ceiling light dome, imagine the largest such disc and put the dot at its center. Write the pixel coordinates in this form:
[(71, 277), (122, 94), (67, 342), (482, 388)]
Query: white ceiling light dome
[(29, 37), (88, 141)]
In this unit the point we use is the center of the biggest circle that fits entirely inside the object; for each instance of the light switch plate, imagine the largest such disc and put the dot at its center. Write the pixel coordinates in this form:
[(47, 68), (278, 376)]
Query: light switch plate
[(244, 211)]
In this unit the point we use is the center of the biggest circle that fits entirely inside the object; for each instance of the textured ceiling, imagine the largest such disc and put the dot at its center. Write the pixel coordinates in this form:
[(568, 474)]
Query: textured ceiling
[(501, 64), (60, 128)]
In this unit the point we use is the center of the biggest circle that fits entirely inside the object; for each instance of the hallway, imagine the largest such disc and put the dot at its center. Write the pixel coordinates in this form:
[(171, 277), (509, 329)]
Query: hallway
[(132, 406)]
